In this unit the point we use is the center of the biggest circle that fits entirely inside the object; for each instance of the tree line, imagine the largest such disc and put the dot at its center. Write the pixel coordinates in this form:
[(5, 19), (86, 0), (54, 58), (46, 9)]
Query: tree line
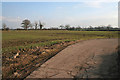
[(90, 28), (26, 24)]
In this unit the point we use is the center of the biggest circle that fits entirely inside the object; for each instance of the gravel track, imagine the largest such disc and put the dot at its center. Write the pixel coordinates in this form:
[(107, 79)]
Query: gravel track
[(86, 59)]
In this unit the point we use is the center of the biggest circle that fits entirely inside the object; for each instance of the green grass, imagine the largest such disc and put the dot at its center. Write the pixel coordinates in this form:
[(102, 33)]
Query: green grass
[(13, 40)]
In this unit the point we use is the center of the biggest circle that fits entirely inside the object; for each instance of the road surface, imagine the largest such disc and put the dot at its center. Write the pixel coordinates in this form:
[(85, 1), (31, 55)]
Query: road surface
[(86, 59)]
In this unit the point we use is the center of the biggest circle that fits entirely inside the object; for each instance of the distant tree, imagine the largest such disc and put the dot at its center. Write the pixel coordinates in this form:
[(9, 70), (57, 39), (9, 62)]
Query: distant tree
[(53, 28), (90, 28), (72, 28), (19, 29), (61, 26), (78, 28), (4, 26), (67, 26), (36, 24), (41, 25), (108, 27), (7, 28), (26, 24), (31, 26)]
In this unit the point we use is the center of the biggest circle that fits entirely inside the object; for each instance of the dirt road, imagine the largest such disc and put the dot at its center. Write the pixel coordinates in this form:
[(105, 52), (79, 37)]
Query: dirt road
[(86, 59)]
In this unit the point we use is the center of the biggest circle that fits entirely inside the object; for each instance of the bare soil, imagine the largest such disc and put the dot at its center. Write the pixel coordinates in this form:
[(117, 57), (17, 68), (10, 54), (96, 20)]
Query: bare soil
[(21, 63), (87, 59)]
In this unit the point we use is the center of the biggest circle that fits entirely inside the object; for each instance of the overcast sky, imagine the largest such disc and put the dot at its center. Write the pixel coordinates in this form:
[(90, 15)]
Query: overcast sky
[(82, 13)]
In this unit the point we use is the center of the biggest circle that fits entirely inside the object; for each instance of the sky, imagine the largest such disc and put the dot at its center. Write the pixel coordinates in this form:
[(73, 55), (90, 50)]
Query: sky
[(53, 14)]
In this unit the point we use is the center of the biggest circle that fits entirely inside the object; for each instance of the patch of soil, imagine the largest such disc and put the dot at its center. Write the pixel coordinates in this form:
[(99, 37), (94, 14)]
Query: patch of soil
[(21, 63)]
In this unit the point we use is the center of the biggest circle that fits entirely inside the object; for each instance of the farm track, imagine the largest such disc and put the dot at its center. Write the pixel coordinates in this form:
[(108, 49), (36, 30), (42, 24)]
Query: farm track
[(86, 59)]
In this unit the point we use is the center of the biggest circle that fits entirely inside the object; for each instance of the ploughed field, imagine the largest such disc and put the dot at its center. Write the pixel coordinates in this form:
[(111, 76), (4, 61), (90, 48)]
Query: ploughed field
[(24, 51)]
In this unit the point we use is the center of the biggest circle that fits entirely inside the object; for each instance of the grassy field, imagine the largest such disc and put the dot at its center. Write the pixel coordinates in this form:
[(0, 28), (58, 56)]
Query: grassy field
[(36, 46), (20, 39)]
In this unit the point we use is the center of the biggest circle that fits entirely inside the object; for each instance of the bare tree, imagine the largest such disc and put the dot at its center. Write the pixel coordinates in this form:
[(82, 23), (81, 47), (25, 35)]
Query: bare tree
[(4, 26), (26, 24), (41, 24), (61, 26), (36, 24), (67, 26)]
